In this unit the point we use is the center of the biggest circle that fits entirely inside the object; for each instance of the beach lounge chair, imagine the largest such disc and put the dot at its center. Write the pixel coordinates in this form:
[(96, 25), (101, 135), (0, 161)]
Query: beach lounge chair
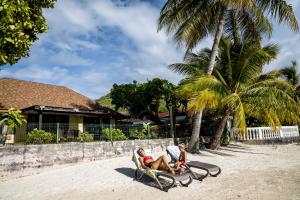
[(210, 169), (184, 179)]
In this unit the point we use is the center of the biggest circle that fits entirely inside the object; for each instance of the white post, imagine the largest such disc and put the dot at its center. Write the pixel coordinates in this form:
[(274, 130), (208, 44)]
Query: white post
[(260, 134), (281, 132)]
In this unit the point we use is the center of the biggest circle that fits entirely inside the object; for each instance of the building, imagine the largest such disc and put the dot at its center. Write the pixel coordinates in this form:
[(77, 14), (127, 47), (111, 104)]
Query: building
[(54, 108)]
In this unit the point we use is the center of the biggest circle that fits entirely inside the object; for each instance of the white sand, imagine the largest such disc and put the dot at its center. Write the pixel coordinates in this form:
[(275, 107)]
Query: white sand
[(248, 172)]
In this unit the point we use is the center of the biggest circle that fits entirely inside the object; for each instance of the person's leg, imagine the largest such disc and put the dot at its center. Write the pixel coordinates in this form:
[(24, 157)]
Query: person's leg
[(155, 164), (161, 163)]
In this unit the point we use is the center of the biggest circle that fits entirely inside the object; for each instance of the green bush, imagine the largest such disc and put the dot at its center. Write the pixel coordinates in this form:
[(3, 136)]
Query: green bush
[(39, 137), (117, 134), (154, 136), (85, 137), (135, 134)]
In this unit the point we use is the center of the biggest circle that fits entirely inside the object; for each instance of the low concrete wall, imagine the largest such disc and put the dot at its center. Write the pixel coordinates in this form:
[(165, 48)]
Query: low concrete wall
[(15, 158)]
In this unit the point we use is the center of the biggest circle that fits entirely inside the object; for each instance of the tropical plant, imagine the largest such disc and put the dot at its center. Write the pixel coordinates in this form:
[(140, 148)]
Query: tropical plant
[(291, 75), (236, 86), (136, 134), (193, 20), (85, 137), (39, 137), (114, 134), (13, 118), (20, 23)]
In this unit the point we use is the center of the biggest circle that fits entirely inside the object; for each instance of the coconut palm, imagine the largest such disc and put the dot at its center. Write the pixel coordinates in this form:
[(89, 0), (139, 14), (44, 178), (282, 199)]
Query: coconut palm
[(236, 86), (193, 20), (12, 118), (290, 74)]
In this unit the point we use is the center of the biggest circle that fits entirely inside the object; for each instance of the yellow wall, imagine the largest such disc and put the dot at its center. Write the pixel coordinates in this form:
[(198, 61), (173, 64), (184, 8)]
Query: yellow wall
[(76, 123), (20, 134)]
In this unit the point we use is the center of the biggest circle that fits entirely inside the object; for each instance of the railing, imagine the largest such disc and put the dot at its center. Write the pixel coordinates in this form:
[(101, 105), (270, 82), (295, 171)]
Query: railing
[(266, 133), (70, 131)]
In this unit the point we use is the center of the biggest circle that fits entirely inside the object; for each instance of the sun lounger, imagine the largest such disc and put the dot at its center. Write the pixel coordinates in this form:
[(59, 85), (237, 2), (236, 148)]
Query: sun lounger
[(210, 169), (184, 179)]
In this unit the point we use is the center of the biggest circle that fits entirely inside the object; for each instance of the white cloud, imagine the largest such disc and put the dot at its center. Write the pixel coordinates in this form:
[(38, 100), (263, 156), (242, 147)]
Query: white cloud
[(98, 43)]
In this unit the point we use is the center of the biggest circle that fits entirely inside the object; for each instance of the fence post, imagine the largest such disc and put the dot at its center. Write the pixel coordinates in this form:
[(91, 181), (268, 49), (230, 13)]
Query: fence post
[(57, 132), (281, 132), (260, 137), (110, 131)]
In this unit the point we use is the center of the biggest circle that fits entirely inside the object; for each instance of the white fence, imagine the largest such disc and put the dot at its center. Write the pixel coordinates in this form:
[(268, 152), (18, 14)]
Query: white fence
[(266, 133)]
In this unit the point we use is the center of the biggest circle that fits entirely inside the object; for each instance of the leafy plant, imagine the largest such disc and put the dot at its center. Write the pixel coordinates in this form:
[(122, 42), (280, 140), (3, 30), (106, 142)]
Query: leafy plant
[(39, 137), (21, 22), (136, 134), (116, 134), (237, 87), (85, 137), (12, 118), (154, 135)]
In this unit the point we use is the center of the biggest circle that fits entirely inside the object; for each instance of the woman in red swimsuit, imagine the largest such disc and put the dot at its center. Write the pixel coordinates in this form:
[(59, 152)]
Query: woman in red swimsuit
[(160, 163)]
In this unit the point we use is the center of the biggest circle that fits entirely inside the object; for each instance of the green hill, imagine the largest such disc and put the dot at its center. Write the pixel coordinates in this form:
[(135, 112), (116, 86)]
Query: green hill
[(106, 101)]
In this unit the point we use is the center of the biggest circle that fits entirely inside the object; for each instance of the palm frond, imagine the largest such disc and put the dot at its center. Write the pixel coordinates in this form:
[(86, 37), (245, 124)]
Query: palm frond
[(280, 10)]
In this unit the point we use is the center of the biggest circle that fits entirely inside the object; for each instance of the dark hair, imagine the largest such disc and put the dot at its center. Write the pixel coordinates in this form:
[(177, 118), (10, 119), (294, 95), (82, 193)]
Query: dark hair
[(140, 150)]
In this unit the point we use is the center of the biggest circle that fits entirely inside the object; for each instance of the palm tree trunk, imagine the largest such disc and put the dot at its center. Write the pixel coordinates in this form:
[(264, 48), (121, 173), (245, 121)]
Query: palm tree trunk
[(218, 35), (194, 141), (216, 140)]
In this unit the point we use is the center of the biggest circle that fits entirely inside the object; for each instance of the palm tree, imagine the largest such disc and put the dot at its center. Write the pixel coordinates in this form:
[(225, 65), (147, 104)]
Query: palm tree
[(193, 20), (12, 118), (290, 74), (236, 86)]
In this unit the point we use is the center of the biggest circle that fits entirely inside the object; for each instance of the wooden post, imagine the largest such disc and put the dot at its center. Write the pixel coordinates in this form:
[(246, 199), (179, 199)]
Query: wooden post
[(57, 132), (40, 120)]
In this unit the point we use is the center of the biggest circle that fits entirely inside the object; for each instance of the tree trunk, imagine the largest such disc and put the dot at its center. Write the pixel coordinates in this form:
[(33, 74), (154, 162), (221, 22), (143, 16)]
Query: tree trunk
[(216, 140), (194, 141), (218, 35)]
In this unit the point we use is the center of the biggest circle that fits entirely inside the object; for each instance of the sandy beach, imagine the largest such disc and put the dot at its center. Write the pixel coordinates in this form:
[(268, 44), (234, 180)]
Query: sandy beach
[(248, 172)]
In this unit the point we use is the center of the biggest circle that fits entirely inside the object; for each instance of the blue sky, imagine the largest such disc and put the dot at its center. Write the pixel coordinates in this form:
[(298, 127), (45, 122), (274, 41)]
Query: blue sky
[(92, 44)]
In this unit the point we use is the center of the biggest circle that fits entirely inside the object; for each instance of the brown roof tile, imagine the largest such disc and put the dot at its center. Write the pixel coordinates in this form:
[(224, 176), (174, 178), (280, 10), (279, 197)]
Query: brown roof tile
[(23, 94)]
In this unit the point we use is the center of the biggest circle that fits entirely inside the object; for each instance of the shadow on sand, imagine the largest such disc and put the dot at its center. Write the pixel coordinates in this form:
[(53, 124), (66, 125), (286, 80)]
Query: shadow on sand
[(129, 172), (233, 149)]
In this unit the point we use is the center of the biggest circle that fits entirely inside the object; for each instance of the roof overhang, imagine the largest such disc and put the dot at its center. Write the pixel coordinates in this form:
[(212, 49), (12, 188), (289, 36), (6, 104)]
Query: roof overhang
[(42, 108)]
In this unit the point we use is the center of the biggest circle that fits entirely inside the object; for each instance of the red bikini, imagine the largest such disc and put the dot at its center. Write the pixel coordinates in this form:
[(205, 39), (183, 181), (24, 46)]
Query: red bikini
[(146, 158)]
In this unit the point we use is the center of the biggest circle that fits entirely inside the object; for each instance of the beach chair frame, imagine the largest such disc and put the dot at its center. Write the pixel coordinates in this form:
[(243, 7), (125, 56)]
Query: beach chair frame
[(140, 172), (208, 168)]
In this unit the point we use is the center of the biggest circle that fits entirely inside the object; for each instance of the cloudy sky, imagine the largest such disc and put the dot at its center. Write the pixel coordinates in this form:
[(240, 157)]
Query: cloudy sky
[(92, 44)]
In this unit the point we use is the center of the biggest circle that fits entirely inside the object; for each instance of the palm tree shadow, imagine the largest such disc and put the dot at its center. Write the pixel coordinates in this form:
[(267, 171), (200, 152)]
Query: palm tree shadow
[(129, 172), (233, 149), (218, 152), (236, 146)]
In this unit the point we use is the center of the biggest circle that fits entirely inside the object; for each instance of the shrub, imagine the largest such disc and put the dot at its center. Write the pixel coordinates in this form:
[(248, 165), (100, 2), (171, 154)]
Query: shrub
[(154, 136), (85, 137), (117, 134), (39, 137), (135, 134)]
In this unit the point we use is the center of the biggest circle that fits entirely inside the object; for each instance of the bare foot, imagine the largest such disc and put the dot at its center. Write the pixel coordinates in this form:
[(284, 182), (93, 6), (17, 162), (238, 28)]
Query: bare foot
[(172, 171)]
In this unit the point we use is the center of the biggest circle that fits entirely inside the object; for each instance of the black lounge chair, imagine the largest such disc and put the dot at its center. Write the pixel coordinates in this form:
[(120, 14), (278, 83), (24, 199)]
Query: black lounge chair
[(210, 169), (155, 174)]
